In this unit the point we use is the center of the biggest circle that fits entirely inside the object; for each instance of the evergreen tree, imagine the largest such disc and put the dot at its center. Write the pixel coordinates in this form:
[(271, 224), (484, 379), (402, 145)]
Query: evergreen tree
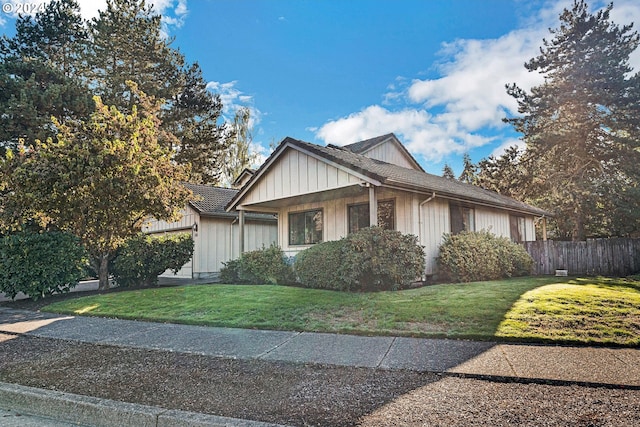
[(39, 70), (469, 170), (581, 125), (447, 172), (127, 44), (505, 174)]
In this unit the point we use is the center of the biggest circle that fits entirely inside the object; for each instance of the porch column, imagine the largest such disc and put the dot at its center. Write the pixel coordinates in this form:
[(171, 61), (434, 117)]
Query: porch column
[(241, 231), (373, 207)]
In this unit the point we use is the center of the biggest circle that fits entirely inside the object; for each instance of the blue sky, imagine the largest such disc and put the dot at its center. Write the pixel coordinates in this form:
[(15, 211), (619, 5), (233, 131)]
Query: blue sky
[(431, 71)]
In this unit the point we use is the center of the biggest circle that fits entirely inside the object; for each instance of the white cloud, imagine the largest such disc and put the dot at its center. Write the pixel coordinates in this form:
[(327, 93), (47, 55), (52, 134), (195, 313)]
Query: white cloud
[(417, 127), (234, 99), (464, 107)]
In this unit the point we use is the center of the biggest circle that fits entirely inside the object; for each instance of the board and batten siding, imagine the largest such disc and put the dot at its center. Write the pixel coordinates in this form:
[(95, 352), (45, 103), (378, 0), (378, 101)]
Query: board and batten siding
[(215, 242), (390, 153), (297, 173), (189, 217), (219, 240), (493, 221), (435, 223), (335, 216)]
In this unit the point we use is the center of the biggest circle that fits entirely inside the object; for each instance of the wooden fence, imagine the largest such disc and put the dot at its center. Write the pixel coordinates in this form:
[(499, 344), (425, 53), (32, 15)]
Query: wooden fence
[(607, 257)]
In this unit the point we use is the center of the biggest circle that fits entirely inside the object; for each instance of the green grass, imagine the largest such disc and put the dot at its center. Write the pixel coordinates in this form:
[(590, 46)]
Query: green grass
[(532, 308), (602, 311)]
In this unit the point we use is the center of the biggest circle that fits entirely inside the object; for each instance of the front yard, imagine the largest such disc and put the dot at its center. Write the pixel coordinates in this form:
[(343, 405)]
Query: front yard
[(593, 310)]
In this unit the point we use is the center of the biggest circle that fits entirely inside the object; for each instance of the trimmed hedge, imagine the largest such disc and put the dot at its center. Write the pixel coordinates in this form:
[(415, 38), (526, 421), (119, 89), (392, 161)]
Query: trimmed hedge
[(372, 259), (40, 264), (262, 266), (476, 256), (141, 259)]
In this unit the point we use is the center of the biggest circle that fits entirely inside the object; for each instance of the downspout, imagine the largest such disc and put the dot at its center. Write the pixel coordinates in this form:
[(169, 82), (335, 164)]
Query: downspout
[(231, 236), (424, 202), (420, 242), (241, 231)]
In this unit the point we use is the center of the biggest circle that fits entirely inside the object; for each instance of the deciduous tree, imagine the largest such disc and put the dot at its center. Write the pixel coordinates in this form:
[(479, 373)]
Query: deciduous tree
[(102, 178)]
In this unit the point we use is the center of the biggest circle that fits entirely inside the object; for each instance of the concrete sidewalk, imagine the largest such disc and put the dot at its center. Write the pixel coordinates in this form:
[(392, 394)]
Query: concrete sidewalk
[(612, 367)]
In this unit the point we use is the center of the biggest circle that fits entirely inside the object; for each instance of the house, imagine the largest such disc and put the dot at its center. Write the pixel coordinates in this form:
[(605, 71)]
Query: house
[(215, 231), (324, 193)]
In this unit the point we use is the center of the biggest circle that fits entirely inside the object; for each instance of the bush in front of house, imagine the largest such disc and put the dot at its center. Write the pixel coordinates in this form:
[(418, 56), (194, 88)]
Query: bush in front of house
[(320, 266), (40, 264), (475, 256), (371, 259), (263, 266), (141, 259)]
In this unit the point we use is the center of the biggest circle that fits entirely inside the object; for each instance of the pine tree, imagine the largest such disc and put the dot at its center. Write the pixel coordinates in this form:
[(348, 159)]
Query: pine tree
[(447, 172), (127, 44), (581, 125), (505, 174), (38, 74), (469, 170)]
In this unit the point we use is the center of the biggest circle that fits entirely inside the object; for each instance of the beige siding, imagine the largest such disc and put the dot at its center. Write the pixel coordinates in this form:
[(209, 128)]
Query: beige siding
[(189, 217), (530, 229), (297, 173), (335, 216), (493, 220), (220, 242), (435, 223), (216, 240), (390, 153)]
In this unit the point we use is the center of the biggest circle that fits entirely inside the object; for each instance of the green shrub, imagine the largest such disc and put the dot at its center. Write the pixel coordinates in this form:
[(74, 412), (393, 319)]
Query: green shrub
[(229, 273), (371, 259), (475, 256), (262, 266), (40, 264), (320, 266), (141, 259)]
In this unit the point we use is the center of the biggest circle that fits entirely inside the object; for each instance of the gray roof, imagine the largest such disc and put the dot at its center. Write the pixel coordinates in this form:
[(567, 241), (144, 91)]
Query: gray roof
[(390, 174), (362, 147), (211, 201)]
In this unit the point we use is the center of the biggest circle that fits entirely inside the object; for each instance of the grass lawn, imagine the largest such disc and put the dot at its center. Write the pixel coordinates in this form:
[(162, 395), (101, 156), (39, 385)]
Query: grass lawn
[(531, 308)]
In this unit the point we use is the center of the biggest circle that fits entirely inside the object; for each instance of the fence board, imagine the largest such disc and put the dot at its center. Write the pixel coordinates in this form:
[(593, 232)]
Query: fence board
[(608, 257)]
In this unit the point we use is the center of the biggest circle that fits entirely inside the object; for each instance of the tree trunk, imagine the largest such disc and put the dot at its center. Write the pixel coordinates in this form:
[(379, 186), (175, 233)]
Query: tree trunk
[(103, 273)]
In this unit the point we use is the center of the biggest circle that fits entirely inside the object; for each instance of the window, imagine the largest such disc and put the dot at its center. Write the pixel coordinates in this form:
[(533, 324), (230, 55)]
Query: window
[(462, 218), (305, 228), (359, 215), (517, 226)]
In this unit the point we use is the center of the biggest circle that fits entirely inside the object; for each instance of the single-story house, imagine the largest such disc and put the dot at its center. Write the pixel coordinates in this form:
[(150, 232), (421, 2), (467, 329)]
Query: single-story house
[(322, 193), (215, 231)]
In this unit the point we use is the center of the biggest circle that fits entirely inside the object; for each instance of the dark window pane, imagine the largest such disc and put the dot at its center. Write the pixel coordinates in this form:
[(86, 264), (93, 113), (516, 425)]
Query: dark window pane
[(305, 228), (462, 218), (358, 217), (387, 214)]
